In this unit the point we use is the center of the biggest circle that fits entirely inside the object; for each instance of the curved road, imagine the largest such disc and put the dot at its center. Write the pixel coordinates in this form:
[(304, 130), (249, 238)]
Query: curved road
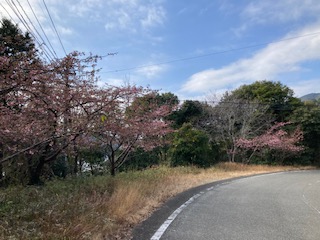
[(272, 206)]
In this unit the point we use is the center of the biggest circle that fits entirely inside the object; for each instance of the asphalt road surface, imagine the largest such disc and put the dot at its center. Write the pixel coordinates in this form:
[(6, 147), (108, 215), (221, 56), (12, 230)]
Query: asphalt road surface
[(272, 206)]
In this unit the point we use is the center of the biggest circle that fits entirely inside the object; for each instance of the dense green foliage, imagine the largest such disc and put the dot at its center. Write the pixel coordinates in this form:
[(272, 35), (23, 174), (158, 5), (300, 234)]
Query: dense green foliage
[(12, 41), (141, 159), (190, 147), (308, 117), (278, 96), (189, 112)]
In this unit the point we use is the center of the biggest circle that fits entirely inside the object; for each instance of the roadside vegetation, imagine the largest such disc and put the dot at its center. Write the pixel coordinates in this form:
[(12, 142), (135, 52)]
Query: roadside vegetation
[(102, 207), (81, 161)]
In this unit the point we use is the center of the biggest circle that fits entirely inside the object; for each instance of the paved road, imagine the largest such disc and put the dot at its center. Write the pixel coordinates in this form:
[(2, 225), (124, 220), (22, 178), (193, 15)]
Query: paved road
[(273, 206)]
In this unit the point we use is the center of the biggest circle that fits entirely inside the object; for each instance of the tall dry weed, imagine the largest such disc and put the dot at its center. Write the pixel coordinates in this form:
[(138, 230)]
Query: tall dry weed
[(102, 207)]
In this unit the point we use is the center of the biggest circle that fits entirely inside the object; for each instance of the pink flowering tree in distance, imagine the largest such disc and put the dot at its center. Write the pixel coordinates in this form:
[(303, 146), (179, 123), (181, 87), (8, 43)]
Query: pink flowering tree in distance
[(276, 138), (136, 119)]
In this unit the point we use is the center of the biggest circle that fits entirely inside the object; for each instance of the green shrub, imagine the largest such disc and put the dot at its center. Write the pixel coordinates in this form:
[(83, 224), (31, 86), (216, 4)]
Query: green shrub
[(191, 147)]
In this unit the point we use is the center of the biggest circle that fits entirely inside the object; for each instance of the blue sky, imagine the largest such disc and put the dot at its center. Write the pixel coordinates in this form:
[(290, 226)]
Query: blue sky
[(192, 48)]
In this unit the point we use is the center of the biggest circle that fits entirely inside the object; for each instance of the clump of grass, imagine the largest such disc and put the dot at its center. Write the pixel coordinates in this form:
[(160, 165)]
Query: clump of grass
[(101, 207)]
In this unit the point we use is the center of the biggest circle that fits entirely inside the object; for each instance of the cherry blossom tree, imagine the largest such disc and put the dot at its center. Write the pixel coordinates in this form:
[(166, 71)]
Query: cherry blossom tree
[(19, 66), (44, 108), (233, 118), (136, 119), (276, 138), (54, 110), (61, 105)]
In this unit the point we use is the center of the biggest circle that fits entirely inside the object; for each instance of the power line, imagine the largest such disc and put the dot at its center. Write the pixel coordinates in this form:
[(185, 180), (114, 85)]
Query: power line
[(44, 33), (54, 26), (210, 54), (50, 54), (17, 12), (43, 42), (22, 20), (8, 13)]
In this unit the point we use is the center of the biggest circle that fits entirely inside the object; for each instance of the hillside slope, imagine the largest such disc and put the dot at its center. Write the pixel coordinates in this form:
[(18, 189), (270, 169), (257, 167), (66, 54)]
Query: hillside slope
[(310, 96)]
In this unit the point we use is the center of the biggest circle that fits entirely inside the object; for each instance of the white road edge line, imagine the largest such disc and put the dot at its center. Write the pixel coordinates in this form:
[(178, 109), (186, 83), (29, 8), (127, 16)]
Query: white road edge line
[(170, 219), (158, 234), (305, 200)]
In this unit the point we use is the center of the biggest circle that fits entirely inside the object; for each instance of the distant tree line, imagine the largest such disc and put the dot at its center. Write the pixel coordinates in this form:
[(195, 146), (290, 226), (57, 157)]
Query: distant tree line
[(260, 123), (56, 121)]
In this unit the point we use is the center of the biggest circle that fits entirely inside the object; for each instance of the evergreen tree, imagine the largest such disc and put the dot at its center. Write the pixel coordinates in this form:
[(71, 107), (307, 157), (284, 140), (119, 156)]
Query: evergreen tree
[(279, 97), (191, 147), (13, 41)]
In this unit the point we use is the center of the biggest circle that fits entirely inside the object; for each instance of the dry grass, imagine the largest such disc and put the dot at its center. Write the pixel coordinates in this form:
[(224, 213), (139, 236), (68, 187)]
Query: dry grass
[(102, 207)]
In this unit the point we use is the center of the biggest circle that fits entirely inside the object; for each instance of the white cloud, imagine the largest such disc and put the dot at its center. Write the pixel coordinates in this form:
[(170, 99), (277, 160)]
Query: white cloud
[(83, 7), (112, 82), (65, 31), (265, 11), (268, 63), (151, 71), (305, 87), (153, 15), (133, 15), (121, 20), (182, 11)]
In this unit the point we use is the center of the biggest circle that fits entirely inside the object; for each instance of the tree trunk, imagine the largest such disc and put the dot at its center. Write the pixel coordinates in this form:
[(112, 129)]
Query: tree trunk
[(1, 166), (1, 172), (36, 173), (113, 171), (76, 158), (75, 164), (112, 168), (233, 155), (112, 164)]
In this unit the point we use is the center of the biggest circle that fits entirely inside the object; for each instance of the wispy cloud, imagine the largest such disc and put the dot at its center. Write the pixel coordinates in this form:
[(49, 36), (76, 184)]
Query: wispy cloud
[(121, 20), (84, 7), (72, 16), (268, 63), (151, 71), (263, 11), (153, 15), (112, 82), (134, 15), (182, 11)]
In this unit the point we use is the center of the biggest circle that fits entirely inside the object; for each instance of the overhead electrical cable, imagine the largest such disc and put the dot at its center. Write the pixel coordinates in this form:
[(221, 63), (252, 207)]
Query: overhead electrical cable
[(13, 8), (8, 14), (209, 54), (42, 40), (37, 32), (44, 33), (17, 12), (54, 26)]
